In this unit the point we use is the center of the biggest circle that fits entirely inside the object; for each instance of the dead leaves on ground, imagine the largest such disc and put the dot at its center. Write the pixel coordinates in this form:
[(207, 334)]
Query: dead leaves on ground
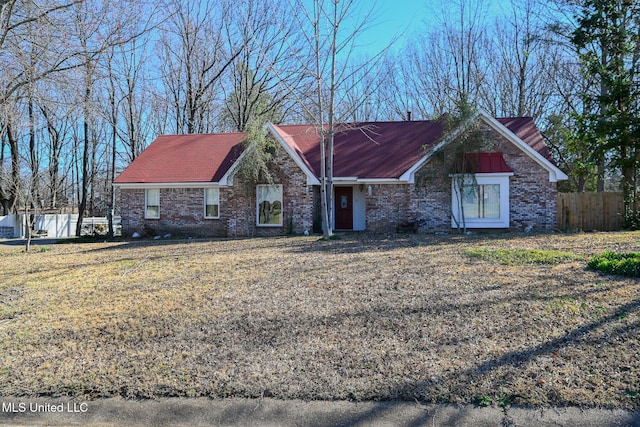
[(363, 317)]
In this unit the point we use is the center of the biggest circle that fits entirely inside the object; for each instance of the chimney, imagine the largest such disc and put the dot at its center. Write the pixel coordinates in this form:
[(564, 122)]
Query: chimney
[(408, 116)]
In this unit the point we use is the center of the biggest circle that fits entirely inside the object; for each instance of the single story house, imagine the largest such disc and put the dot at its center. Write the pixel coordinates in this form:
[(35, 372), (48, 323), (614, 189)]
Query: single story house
[(388, 176)]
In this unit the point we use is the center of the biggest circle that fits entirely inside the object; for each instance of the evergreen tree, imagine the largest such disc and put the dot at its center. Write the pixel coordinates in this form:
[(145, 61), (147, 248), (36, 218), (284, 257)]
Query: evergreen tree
[(608, 42)]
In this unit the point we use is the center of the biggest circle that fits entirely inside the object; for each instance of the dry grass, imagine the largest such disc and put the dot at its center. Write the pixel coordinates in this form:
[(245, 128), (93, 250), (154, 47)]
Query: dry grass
[(364, 317)]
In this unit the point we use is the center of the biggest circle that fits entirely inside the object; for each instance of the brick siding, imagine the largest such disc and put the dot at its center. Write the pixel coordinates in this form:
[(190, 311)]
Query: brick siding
[(387, 207), (181, 213), (427, 203), (182, 209)]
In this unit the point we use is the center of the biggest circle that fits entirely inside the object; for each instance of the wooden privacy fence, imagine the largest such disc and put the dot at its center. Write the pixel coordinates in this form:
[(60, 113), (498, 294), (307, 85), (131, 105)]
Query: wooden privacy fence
[(590, 211)]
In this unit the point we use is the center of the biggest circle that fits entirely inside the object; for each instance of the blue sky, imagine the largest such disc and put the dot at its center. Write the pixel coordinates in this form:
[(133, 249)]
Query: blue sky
[(406, 19), (409, 18), (393, 18)]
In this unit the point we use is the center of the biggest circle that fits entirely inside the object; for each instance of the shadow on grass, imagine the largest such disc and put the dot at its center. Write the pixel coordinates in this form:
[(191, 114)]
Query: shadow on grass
[(263, 333), (266, 334), (48, 241), (357, 241), (344, 242)]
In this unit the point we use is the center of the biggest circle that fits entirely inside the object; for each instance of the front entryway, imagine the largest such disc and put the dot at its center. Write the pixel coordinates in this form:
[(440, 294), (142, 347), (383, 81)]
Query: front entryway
[(343, 197)]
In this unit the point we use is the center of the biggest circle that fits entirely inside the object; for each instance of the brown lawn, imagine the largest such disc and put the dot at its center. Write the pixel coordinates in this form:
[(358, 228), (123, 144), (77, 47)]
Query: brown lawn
[(426, 318)]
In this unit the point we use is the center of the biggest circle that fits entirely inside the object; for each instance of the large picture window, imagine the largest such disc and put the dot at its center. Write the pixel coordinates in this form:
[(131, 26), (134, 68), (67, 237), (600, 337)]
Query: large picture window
[(211, 203), (481, 201), (269, 205), (152, 203)]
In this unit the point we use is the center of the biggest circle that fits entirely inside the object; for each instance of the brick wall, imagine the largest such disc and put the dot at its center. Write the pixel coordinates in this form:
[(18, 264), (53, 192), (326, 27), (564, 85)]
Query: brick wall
[(182, 209), (387, 206), (430, 206), (533, 198), (427, 203), (297, 203), (181, 213)]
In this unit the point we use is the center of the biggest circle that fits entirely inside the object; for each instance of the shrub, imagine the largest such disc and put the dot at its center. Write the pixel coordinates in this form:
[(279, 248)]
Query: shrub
[(625, 264)]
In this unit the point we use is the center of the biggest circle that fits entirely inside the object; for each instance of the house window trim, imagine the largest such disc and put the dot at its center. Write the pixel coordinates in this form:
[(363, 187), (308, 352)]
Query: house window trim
[(204, 201), (281, 189), (146, 204), (503, 221)]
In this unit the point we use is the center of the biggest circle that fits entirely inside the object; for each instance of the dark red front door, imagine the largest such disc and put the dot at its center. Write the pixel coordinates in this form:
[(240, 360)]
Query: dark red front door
[(343, 197)]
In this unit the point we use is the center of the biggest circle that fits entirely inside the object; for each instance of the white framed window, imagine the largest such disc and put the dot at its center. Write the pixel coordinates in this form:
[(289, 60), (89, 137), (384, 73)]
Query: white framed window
[(481, 201), (269, 205), (152, 203), (212, 203)]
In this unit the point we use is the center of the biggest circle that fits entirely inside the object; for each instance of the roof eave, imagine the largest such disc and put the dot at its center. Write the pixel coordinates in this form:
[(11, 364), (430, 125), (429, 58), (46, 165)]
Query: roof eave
[(311, 178), (481, 174), (555, 174), (145, 185), (366, 181), (227, 178)]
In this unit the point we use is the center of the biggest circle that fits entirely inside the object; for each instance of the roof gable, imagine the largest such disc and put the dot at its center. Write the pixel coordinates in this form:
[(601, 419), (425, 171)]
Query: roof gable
[(525, 135), (371, 151), (395, 150), (526, 129)]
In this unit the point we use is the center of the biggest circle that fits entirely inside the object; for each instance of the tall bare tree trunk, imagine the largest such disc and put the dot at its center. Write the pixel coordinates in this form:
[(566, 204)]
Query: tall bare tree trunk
[(84, 190), (324, 184), (332, 114), (114, 138), (12, 200)]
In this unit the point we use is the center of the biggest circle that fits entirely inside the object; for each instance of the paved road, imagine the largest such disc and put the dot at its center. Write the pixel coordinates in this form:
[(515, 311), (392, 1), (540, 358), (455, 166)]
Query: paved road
[(272, 412)]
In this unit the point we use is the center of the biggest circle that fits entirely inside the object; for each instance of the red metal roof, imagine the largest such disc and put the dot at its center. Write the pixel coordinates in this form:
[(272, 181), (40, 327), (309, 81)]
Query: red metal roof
[(184, 158), (381, 150), (366, 150), (388, 149), (485, 163), (526, 129)]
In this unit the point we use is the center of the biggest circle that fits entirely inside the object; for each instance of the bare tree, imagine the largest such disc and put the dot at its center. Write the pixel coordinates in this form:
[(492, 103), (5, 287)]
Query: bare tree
[(125, 105), (39, 44), (57, 125), (263, 75), (464, 41), (9, 190), (195, 54), (330, 34), (98, 27), (518, 83), (31, 49), (395, 99), (446, 67), (363, 94), (18, 19)]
